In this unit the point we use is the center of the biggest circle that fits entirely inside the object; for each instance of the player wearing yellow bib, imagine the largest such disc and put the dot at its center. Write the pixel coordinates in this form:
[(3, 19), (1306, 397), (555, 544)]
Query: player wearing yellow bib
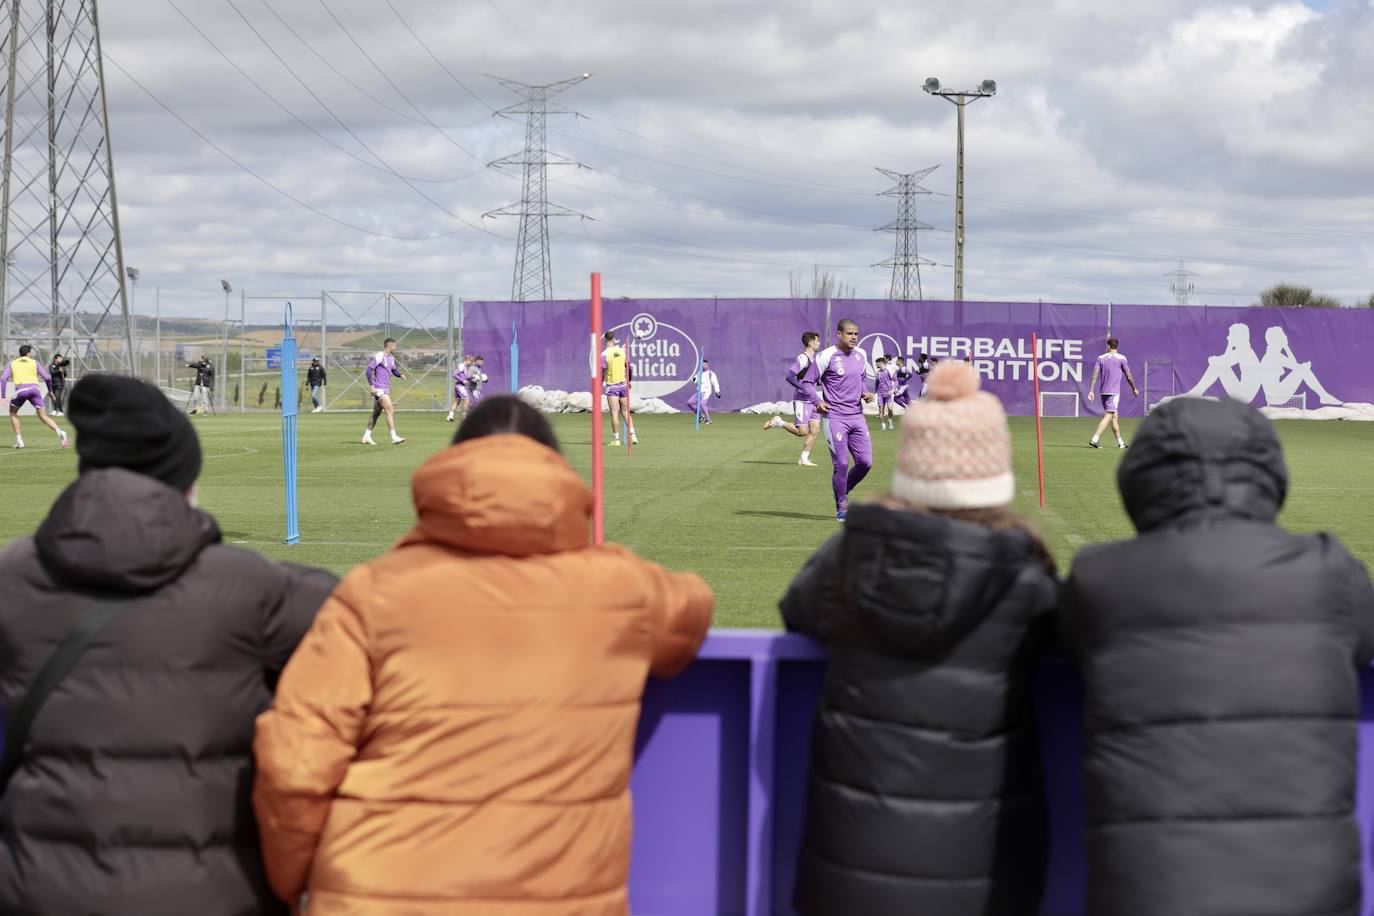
[(26, 373), (615, 377)]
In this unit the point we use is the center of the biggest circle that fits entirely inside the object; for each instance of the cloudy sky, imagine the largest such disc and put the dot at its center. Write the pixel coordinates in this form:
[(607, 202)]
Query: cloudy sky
[(722, 144)]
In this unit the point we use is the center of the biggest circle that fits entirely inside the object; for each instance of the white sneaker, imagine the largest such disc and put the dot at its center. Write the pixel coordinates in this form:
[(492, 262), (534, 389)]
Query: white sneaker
[(450, 418), (367, 439), (19, 443), (806, 463), (634, 440), (397, 440), (774, 423), (615, 443)]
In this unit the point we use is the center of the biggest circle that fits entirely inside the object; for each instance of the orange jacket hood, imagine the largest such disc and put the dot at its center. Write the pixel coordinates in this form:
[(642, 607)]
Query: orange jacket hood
[(503, 494)]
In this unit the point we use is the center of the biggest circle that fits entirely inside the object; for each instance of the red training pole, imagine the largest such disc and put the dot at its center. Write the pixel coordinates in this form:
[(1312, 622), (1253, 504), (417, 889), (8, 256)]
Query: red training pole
[(1039, 435), (598, 480)]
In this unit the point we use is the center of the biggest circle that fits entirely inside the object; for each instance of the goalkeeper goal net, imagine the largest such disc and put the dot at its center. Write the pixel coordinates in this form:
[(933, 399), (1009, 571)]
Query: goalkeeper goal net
[(1159, 383), (1059, 403), (1297, 402)]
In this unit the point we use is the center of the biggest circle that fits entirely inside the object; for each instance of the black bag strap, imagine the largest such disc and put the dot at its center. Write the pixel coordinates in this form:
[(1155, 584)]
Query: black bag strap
[(58, 665)]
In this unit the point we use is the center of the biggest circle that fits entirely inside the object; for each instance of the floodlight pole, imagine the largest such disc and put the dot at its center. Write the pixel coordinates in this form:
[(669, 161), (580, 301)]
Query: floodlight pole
[(961, 99)]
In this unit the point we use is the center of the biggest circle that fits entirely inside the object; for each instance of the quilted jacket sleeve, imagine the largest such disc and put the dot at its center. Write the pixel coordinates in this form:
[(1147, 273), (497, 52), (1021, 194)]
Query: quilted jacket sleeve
[(812, 589), (306, 741), (682, 605)]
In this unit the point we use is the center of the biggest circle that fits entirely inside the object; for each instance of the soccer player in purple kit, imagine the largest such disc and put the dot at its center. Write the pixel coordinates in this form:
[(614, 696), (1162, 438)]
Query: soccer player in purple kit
[(460, 388), (804, 376), (1113, 367), (379, 374), (844, 370), (885, 387), (26, 372)]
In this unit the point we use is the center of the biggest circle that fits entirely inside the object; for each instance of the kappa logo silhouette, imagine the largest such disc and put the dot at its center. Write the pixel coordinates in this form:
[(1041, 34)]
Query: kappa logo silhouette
[(663, 358), (1277, 374)]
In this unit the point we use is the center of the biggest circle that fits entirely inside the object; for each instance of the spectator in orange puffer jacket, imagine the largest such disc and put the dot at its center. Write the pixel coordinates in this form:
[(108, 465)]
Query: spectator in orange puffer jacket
[(455, 734)]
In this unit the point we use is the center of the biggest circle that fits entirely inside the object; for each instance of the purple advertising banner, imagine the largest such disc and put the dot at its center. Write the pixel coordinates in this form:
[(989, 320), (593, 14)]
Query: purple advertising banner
[(1296, 358)]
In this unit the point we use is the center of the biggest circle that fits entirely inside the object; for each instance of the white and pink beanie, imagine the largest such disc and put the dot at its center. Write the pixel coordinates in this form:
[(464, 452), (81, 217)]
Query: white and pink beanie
[(955, 449)]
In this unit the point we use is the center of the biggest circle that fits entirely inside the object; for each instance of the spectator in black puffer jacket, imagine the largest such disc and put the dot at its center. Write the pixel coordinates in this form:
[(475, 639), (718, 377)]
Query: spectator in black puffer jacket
[(925, 793), (132, 793), (1220, 656)]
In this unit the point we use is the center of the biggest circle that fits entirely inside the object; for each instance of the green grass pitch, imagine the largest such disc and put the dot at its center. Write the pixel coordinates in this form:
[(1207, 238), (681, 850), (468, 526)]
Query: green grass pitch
[(729, 502)]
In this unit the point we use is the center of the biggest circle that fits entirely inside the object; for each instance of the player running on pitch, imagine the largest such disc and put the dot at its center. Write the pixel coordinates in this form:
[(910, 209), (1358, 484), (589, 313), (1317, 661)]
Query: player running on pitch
[(379, 373), (477, 377), (804, 376), (885, 387), (26, 372), (615, 376), (844, 370), (1113, 367), (460, 388)]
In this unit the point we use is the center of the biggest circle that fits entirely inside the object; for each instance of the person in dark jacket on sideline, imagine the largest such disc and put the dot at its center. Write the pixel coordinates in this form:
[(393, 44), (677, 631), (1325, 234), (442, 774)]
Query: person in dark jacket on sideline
[(131, 797), (925, 793), (1220, 655), (317, 378)]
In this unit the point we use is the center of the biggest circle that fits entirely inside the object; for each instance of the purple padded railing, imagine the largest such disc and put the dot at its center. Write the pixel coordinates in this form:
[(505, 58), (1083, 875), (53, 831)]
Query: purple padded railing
[(720, 776)]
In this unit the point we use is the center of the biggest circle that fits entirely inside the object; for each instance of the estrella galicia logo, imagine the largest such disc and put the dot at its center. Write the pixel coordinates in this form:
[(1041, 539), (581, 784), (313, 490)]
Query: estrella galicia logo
[(663, 358)]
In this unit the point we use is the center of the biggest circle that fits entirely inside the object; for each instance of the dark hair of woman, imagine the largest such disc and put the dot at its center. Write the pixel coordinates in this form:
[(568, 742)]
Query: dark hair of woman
[(506, 414)]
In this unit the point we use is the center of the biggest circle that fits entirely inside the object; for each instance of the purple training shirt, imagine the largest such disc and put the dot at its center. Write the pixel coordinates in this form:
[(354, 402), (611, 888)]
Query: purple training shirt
[(842, 380), (886, 382), (380, 370), (808, 375), (1113, 367)]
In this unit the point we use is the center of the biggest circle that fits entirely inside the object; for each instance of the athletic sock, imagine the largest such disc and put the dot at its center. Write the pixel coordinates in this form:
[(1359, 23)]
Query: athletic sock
[(1120, 441), (806, 456), (1093, 440)]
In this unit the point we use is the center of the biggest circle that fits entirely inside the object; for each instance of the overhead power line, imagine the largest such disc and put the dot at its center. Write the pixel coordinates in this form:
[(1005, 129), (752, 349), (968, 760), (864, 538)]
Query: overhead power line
[(351, 82), (392, 83), (268, 182)]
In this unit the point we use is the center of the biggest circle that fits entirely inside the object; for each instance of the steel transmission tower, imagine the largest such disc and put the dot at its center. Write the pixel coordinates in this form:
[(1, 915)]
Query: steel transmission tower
[(1182, 286), (59, 217), (906, 261), (533, 274)]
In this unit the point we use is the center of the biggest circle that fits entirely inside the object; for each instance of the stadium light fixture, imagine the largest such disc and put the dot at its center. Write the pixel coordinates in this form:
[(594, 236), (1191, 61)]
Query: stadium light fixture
[(224, 284), (961, 98)]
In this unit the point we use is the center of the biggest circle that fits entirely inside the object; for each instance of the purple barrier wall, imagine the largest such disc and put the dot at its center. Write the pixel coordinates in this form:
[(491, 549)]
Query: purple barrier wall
[(720, 777), (1263, 356)]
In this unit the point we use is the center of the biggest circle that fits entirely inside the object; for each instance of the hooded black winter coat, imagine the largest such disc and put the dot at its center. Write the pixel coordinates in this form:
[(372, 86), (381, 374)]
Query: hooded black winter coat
[(132, 798), (1220, 658), (925, 792)]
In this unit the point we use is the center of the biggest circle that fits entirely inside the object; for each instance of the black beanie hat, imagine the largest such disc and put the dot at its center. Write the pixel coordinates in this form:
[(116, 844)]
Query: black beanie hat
[(124, 423)]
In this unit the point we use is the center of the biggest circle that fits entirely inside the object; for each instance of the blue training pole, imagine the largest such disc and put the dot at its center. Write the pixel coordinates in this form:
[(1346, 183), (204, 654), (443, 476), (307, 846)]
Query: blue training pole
[(698, 426), (514, 360), (288, 426)]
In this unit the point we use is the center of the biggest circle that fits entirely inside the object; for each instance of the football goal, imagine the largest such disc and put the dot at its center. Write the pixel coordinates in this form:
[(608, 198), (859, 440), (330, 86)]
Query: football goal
[(1297, 401), (1159, 382), (1059, 403)]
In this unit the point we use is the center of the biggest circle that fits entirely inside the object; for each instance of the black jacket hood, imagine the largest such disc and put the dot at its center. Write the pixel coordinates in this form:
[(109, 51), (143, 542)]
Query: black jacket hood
[(921, 581), (115, 529), (1195, 457)]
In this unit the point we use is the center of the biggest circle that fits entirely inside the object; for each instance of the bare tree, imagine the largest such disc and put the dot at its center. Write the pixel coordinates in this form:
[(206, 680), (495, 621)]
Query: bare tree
[(823, 285), (1288, 296)]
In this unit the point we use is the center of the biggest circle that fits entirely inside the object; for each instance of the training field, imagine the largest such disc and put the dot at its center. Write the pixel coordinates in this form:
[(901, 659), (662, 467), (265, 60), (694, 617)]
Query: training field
[(728, 502)]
